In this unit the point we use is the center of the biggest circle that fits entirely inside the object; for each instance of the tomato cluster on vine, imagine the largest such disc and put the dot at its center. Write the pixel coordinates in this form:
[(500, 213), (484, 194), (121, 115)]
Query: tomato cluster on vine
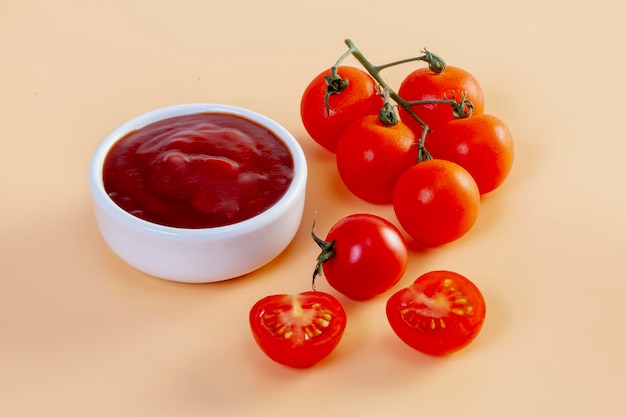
[(428, 149)]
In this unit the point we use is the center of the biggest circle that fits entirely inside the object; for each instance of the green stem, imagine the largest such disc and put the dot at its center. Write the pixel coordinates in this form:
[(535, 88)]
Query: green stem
[(402, 61), (460, 109), (346, 54), (422, 152), (436, 64), (374, 71), (328, 251)]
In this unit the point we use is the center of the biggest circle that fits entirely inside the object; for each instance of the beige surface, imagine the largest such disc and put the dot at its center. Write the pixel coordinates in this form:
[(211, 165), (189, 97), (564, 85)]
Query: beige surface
[(82, 334)]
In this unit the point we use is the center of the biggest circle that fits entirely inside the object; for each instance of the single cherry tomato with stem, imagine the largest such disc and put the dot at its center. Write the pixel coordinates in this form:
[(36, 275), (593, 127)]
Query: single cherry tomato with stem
[(372, 154), (363, 255), (298, 330), (440, 313), (427, 88), (334, 99), (436, 202), (482, 144)]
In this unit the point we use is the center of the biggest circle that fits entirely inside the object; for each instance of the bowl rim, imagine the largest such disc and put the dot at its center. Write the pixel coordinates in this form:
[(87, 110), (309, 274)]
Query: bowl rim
[(273, 213)]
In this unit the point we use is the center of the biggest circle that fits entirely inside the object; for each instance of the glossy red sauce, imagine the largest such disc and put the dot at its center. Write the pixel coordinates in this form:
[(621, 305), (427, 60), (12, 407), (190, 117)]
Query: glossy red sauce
[(198, 171)]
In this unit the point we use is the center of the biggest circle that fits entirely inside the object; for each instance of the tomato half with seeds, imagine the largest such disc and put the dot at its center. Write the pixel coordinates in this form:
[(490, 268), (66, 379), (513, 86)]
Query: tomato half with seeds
[(328, 107), (440, 313), (298, 330), (424, 84)]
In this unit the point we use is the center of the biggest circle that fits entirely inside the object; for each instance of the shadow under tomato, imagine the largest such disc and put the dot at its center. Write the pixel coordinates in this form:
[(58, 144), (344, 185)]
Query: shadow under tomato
[(417, 247)]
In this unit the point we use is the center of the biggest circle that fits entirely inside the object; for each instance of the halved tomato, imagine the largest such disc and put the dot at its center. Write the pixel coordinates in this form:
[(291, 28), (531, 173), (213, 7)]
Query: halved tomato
[(298, 330), (440, 313)]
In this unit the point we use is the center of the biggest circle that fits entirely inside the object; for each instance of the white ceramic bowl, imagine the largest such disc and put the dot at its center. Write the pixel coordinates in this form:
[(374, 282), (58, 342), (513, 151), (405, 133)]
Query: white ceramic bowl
[(199, 255)]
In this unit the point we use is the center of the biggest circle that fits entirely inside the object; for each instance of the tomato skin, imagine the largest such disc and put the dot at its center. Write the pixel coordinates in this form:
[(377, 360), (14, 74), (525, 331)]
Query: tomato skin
[(436, 202), (371, 157), (481, 144), (440, 313), (273, 318), (370, 256), (359, 99), (424, 84)]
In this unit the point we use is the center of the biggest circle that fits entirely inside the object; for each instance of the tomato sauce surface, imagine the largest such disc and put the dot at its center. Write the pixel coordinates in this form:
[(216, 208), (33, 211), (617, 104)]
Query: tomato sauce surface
[(198, 171)]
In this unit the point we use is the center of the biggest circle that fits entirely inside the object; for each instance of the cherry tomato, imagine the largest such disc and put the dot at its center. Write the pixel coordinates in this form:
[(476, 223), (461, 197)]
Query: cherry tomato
[(365, 256), (359, 98), (298, 330), (436, 202), (371, 157), (440, 313), (481, 144), (424, 84)]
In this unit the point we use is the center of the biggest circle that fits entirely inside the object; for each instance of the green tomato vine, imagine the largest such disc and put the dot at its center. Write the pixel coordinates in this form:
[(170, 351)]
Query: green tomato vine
[(388, 114)]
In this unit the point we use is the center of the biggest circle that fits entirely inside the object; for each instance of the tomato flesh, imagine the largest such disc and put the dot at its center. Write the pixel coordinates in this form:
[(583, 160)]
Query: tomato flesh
[(298, 330), (440, 313)]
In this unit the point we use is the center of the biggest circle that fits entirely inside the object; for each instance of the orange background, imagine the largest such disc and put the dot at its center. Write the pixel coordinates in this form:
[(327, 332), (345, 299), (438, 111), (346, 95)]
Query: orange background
[(83, 334)]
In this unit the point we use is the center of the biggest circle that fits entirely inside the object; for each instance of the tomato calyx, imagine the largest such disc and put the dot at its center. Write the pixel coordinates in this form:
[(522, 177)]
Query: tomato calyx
[(334, 85), (328, 251), (435, 63), (462, 109), (388, 115)]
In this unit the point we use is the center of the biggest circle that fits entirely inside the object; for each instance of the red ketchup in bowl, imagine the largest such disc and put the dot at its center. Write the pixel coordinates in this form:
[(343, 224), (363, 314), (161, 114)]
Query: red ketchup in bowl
[(198, 171)]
